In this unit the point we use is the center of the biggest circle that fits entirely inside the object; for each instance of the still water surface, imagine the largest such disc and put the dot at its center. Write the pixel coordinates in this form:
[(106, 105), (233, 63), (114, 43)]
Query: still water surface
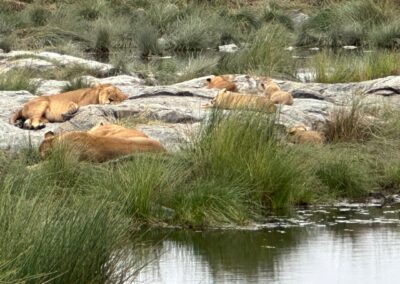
[(336, 245)]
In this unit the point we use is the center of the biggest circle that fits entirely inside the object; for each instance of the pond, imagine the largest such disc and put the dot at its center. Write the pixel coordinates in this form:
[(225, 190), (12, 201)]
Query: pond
[(341, 244)]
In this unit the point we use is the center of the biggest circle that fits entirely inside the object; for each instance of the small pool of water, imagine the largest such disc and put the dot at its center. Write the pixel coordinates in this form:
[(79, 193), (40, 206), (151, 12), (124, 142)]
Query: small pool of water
[(343, 244)]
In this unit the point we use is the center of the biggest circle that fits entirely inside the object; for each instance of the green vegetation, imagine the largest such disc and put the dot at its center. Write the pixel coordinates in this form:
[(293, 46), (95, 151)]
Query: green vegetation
[(133, 35), (76, 84), (16, 80), (354, 67), (73, 218)]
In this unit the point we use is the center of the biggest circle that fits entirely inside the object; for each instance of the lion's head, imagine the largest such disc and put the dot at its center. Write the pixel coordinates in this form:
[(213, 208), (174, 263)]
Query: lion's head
[(109, 94), (296, 129), (47, 144)]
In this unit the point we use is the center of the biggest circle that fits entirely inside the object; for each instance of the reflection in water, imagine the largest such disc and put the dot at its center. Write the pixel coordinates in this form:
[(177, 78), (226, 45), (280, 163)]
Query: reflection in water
[(325, 252)]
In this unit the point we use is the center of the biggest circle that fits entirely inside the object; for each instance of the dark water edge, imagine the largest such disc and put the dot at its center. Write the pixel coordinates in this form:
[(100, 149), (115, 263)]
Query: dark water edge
[(341, 244)]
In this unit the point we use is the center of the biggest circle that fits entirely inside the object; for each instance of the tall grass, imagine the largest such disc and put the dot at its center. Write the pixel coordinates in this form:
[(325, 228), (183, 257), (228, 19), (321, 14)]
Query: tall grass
[(350, 124), (264, 55), (76, 84), (345, 23), (54, 236), (18, 80), (241, 149), (342, 67)]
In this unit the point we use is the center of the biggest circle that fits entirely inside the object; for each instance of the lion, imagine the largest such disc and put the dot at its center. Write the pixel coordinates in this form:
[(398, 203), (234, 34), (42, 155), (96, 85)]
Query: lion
[(268, 86), (58, 108), (221, 82), (299, 134), (89, 147), (231, 100), (275, 94), (113, 130)]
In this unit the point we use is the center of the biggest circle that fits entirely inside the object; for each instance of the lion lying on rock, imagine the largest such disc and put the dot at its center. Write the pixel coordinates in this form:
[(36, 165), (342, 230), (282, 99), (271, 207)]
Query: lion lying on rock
[(275, 94), (58, 108), (232, 100), (221, 82), (299, 134), (107, 130), (91, 147)]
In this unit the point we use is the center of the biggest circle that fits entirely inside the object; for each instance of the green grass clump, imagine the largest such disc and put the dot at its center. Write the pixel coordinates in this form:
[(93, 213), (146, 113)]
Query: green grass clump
[(76, 84), (341, 67), (54, 235), (18, 80), (241, 149), (342, 178), (344, 23), (193, 33), (264, 55), (349, 124)]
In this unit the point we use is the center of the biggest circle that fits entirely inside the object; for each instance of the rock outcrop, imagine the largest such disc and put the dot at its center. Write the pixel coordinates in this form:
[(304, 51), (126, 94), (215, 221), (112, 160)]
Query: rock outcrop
[(171, 114)]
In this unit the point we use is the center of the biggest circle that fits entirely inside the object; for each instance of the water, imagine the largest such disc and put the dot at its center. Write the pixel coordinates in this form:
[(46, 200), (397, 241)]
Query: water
[(345, 244)]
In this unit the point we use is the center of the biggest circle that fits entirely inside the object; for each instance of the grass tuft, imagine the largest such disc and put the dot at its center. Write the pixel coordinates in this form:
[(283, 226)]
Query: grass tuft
[(18, 80)]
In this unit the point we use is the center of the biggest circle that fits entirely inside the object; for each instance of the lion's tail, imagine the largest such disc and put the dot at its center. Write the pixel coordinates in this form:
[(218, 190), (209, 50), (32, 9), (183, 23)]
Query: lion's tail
[(16, 116)]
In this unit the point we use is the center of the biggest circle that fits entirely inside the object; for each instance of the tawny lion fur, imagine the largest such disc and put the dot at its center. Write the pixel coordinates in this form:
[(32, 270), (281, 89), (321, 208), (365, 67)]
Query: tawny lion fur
[(221, 82), (231, 100), (300, 135), (275, 94), (113, 130), (58, 108), (89, 147)]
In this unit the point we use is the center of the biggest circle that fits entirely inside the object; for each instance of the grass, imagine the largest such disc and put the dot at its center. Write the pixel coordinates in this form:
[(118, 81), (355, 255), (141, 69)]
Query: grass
[(62, 238), (18, 80), (76, 84), (350, 124), (138, 32), (344, 67), (74, 218), (264, 55)]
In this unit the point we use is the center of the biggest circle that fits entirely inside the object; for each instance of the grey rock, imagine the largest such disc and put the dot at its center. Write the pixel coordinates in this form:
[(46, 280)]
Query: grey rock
[(48, 60), (49, 87), (228, 48), (299, 18), (34, 64)]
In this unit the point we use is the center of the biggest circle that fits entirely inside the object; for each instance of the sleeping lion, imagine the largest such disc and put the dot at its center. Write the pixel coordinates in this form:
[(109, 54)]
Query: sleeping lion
[(114, 130), (232, 100), (57, 108), (90, 147)]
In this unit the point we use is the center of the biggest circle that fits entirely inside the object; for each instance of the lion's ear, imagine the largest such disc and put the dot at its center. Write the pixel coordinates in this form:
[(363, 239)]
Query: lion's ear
[(291, 130), (101, 123), (208, 79), (49, 134), (262, 85)]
